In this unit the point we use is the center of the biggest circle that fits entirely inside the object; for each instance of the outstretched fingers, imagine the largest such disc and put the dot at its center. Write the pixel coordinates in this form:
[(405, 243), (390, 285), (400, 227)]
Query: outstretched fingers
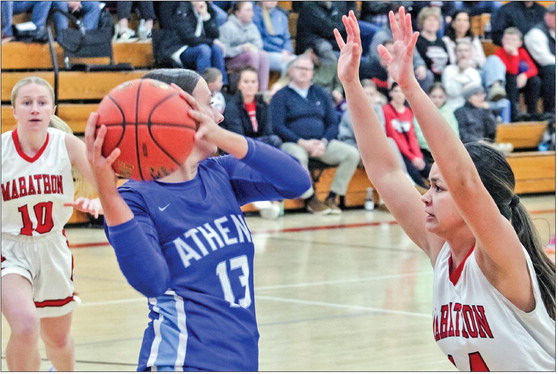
[(339, 39)]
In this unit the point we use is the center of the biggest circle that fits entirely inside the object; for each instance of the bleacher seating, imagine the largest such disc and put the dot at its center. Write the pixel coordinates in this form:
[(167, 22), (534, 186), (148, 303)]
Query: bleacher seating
[(80, 92)]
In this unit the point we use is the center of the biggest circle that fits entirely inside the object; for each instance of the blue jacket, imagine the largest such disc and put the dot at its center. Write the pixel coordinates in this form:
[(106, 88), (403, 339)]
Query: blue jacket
[(281, 40), (294, 117)]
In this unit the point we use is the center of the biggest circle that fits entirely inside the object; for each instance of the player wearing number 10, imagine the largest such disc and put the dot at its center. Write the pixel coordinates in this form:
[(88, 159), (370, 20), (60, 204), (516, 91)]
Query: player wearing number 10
[(37, 265), (182, 240)]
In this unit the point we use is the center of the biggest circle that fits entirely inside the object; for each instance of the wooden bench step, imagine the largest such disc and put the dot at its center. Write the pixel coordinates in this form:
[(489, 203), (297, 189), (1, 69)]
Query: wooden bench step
[(535, 172), (74, 85), (33, 56), (521, 134)]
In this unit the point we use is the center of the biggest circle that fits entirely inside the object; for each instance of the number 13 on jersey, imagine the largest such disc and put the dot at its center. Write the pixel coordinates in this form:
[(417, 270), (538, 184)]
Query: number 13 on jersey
[(239, 277)]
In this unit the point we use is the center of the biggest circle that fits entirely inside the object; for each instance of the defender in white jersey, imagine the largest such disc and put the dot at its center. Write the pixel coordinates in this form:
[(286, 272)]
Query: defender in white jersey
[(494, 287), (37, 195)]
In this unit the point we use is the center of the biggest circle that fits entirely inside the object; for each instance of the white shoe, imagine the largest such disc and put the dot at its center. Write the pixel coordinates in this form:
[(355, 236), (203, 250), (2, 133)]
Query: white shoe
[(267, 209), (126, 36)]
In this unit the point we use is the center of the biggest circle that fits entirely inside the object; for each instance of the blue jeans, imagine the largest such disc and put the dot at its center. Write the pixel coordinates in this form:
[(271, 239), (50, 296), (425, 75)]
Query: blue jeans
[(492, 71), (203, 56), (89, 15), (39, 13)]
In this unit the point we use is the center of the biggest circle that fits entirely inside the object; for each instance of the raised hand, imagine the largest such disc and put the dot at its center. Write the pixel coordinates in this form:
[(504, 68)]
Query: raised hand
[(351, 51), (400, 61)]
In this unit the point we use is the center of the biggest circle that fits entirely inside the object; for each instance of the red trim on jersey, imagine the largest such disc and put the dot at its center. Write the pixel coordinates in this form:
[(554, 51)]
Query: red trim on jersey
[(19, 150), (456, 273), (59, 302)]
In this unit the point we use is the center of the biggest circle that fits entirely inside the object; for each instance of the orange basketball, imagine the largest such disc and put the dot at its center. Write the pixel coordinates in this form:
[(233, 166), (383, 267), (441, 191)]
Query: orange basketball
[(149, 122)]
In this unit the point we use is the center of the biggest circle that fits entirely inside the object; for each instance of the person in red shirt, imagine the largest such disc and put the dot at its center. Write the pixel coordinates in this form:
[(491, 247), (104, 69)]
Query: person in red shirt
[(399, 127), (521, 73)]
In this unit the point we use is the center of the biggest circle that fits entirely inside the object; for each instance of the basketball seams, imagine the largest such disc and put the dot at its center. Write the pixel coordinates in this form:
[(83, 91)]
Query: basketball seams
[(123, 124), (136, 129), (150, 124), (157, 142)]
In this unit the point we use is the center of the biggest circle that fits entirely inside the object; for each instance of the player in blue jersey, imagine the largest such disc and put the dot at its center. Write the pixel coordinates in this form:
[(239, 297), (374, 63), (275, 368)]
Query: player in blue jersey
[(182, 240)]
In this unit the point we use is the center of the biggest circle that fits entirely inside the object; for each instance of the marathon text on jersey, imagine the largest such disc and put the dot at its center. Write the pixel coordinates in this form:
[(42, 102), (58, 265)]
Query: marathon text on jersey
[(32, 185), (193, 244), (455, 319)]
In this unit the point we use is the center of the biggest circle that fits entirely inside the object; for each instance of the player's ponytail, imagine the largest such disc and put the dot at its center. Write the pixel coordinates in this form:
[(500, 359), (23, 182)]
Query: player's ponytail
[(497, 177)]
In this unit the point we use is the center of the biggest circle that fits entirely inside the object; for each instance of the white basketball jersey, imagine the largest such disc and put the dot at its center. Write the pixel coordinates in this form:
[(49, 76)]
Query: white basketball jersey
[(34, 189), (480, 330)]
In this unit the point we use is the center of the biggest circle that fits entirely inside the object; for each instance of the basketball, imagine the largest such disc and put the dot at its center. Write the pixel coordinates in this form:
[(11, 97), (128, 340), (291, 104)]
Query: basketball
[(149, 122)]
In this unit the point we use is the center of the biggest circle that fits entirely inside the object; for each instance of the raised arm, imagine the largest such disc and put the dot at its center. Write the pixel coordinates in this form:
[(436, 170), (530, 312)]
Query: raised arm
[(383, 169), (497, 242)]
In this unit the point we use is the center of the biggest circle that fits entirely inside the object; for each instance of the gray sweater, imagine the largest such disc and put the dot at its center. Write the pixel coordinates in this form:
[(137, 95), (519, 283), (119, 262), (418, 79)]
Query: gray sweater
[(233, 34)]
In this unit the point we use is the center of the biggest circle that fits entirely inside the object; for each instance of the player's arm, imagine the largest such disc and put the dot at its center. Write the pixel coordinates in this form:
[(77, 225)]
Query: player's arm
[(137, 252), (500, 252), (383, 169), (266, 173)]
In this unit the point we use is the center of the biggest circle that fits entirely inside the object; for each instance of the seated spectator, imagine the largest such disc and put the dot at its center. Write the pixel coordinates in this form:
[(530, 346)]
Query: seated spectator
[(431, 48), (437, 94), (88, 11), (460, 29), (384, 36), (377, 101), (39, 14), (540, 41), (303, 116), (214, 79), (192, 36), (243, 42), (521, 73), (273, 23), (325, 76), (475, 119), (399, 127), (123, 34), (315, 24), (247, 113), (458, 75), (520, 14)]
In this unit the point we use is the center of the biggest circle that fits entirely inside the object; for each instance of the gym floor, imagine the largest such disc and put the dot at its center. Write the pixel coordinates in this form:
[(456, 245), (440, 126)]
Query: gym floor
[(333, 293)]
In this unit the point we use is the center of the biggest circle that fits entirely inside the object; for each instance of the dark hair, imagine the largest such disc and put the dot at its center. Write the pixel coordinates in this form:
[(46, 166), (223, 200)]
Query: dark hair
[(183, 78), (451, 30), (236, 6), (243, 69), (497, 177), (437, 86)]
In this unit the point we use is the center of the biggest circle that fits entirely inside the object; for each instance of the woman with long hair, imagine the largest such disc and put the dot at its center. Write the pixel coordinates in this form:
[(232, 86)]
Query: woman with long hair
[(494, 287)]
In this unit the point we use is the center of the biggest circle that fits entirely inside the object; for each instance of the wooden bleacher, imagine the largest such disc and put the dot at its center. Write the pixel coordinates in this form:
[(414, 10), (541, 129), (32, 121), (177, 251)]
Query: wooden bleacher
[(80, 92), (521, 135), (535, 171)]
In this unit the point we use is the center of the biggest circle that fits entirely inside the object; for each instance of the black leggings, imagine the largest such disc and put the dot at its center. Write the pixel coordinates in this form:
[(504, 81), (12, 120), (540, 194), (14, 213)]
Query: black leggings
[(418, 176), (124, 9)]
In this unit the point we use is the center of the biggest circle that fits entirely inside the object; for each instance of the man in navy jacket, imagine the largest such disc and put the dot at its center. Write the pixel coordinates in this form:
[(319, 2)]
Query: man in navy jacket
[(302, 114)]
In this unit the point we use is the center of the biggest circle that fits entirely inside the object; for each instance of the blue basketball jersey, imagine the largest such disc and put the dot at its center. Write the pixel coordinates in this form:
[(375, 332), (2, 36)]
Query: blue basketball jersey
[(206, 319)]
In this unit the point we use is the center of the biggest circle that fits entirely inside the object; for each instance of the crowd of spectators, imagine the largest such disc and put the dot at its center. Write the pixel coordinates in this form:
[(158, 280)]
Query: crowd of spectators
[(238, 44)]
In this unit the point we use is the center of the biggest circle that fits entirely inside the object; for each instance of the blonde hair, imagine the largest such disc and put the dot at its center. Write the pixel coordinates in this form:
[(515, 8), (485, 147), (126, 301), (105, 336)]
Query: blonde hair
[(82, 188), (427, 12)]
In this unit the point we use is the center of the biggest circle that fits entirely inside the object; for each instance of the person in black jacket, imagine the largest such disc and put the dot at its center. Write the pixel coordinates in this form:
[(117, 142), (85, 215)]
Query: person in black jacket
[(521, 14), (246, 113), (189, 36), (315, 25)]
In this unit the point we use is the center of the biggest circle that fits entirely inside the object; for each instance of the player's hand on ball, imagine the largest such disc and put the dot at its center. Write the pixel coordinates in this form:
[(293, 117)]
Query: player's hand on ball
[(202, 115), (91, 206), (104, 174)]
